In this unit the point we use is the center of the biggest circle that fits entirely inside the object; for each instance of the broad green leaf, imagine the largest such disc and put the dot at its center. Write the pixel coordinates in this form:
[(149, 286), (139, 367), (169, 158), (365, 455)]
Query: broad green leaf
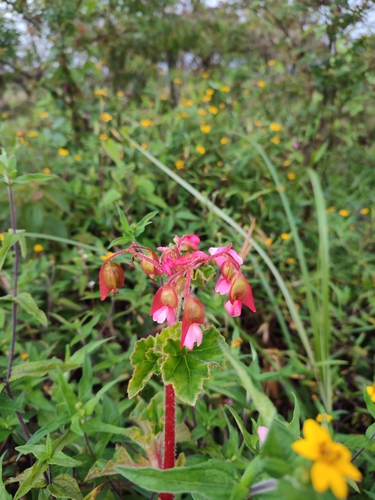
[(4, 495), (31, 479), (104, 467), (262, 403), (278, 444), (39, 368), (65, 486), (144, 360), (212, 480), (26, 301), (187, 369), (8, 242), (25, 179), (95, 425)]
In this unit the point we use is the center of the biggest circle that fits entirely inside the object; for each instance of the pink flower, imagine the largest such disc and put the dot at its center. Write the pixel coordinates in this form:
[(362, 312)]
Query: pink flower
[(228, 271), (220, 260), (239, 293), (193, 317), (164, 305), (187, 242), (263, 433), (223, 286)]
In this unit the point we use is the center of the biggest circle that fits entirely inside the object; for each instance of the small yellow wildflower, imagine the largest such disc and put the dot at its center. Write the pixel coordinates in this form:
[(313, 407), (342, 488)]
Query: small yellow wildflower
[(19, 133), (221, 105), (344, 212), (202, 112), (179, 164), (213, 110), (144, 145), (224, 140), (163, 97), (275, 140), (4, 115), (120, 93), (365, 211), (287, 163), (330, 210), (103, 137), (225, 88), (219, 163), (275, 127), (247, 91), (189, 103), (205, 75), (261, 84), (205, 128), (38, 248), (371, 392), (1, 237), (271, 62), (47, 170), (291, 176), (236, 342), (268, 242), (43, 114), (106, 256), (63, 152), (177, 81), (146, 123), (323, 417), (332, 466), (258, 123), (181, 115), (24, 356), (285, 236), (201, 150), (101, 92), (206, 98), (32, 133), (210, 92), (290, 260), (78, 157), (106, 117)]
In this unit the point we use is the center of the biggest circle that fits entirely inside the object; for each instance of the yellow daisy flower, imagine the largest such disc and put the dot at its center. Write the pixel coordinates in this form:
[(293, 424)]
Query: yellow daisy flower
[(205, 128), (101, 92), (146, 123), (275, 127), (275, 140), (344, 212), (78, 157), (120, 93), (103, 137), (24, 356), (291, 176), (32, 133), (271, 62), (205, 75), (323, 417), (365, 211), (261, 84), (213, 110), (106, 117), (47, 170), (201, 150), (63, 152), (371, 392), (225, 88), (38, 248), (286, 163), (106, 256), (179, 164), (202, 112), (177, 81), (285, 236), (224, 140)]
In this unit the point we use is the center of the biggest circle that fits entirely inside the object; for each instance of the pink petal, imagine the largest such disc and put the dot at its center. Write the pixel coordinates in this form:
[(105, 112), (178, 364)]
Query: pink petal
[(171, 316), (223, 286), (222, 259), (234, 309), (194, 334), (161, 314), (263, 433)]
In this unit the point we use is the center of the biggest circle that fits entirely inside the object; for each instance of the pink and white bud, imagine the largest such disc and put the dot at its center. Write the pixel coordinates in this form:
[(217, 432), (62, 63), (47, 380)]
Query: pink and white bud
[(193, 335), (263, 433), (223, 286), (193, 317), (164, 305), (234, 309)]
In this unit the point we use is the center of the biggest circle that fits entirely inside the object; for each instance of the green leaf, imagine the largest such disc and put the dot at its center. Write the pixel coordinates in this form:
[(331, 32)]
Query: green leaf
[(187, 369), (26, 301), (294, 425), (112, 150), (211, 480), (140, 226), (63, 460), (144, 360), (25, 179), (250, 440), (123, 240), (4, 495), (262, 403), (79, 355), (104, 467), (65, 486), (123, 219), (9, 240), (31, 478), (317, 155), (110, 196), (370, 405), (278, 444), (39, 368)]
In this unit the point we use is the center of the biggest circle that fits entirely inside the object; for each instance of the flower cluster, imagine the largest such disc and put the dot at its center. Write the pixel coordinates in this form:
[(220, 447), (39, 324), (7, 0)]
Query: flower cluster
[(177, 263)]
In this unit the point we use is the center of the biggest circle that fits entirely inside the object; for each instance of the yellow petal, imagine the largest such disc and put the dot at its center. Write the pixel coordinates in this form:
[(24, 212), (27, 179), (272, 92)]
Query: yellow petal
[(348, 470), (312, 430), (338, 484), (320, 476), (307, 448)]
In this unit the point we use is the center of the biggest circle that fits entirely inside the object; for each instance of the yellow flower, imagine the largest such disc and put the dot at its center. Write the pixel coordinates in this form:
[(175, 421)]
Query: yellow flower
[(236, 342), (261, 84), (290, 260), (120, 93), (205, 128), (219, 163), (206, 98), (1, 237), (286, 163), (247, 91), (271, 62), (38, 248), (24, 356), (325, 417), (78, 157), (205, 75), (210, 92), (371, 392), (213, 110), (224, 140), (285, 236), (330, 210), (106, 256), (103, 137), (19, 133), (144, 145), (258, 123), (332, 466), (4, 115), (177, 81), (344, 212), (365, 211), (202, 112), (221, 105), (32, 133), (146, 123), (63, 152), (106, 117), (268, 242), (163, 97), (201, 150), (179, 164), (47, 170), (189, 103), (101, 92), (275, 140), (275, 127), (225, 88), (43, 114), (181, 115), (291, 176)]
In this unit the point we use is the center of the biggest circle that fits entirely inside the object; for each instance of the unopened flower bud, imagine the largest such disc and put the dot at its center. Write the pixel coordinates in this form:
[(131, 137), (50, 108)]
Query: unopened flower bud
[(148, 267), (111, 278), (228, 270)]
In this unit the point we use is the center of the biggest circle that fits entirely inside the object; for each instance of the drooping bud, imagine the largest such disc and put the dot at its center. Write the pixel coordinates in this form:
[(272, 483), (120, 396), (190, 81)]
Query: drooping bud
[(241, 291), (148, 267), (228, 270), (164, 305), (192, 317), (111, 278)]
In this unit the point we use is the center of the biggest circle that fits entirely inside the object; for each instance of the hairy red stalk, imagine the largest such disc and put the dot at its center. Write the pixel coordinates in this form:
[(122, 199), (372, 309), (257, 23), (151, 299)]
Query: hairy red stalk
[(169, 434)]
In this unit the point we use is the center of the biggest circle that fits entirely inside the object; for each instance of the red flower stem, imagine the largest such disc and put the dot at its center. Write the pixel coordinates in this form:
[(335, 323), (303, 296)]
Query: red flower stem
[(169, 433)]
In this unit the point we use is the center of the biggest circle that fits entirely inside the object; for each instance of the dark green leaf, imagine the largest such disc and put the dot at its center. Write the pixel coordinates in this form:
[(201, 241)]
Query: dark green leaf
[(26, 301), (65, 486), (144, 360), (25, 179)]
